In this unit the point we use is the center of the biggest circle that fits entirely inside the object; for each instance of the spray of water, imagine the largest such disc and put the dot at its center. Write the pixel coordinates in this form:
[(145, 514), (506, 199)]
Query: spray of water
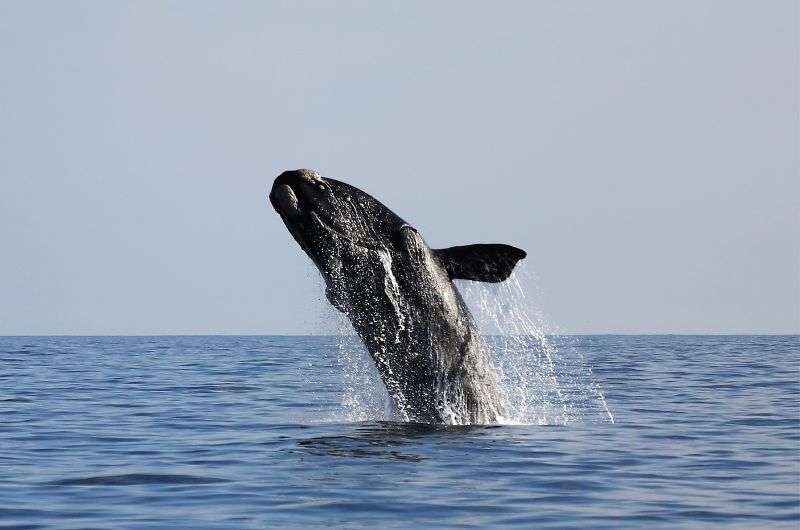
[(364, 397), (544, 376)]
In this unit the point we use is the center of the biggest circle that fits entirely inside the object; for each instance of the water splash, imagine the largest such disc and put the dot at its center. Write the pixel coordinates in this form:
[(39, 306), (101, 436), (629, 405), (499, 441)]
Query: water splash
[(544, 376), (364, 396)]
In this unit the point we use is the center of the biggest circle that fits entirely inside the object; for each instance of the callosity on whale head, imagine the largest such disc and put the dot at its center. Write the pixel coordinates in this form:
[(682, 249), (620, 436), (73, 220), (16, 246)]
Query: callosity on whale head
[(398, 294)]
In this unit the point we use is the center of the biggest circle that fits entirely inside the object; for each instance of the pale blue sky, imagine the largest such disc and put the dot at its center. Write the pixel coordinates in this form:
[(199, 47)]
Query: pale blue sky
[(645, 154)]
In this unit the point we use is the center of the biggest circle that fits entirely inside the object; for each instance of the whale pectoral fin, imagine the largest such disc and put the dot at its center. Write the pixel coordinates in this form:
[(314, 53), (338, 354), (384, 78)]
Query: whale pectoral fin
[(480, 263)]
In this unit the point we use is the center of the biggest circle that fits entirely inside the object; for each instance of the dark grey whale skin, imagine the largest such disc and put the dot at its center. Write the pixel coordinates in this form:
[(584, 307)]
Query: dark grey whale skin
[(399, 296)]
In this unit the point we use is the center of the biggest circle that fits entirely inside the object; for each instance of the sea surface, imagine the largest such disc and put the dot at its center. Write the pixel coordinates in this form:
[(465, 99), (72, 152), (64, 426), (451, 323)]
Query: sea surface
[(272, 432)]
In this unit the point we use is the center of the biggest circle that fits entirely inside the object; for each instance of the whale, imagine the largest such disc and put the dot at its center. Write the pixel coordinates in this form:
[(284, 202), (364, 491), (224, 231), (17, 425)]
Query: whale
[(399, 296)]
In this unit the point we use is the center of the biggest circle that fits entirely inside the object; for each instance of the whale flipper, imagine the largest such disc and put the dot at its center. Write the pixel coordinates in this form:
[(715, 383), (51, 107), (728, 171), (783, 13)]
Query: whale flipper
[(481, 263)]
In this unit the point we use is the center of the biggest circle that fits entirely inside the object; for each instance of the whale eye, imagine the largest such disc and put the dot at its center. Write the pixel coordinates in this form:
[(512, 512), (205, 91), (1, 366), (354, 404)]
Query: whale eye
[(322, 186)]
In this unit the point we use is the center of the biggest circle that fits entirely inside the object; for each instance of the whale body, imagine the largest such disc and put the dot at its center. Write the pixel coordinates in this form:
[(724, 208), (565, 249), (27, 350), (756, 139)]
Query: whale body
[(400, 298)]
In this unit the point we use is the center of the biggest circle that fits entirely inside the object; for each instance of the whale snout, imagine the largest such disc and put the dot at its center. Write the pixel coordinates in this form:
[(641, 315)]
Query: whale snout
[(292, 190), (297, 177)]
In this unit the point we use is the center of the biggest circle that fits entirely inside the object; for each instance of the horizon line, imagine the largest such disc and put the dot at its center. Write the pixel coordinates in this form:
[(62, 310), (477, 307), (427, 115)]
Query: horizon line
[(559, 334)]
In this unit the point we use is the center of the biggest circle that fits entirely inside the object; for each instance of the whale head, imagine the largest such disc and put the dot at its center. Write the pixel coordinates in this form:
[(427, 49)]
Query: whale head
[(321, 211), (347, 233)]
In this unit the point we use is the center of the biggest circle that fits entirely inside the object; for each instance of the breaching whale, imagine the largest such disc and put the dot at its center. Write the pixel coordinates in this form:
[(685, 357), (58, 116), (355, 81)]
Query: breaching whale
[(399, 296)]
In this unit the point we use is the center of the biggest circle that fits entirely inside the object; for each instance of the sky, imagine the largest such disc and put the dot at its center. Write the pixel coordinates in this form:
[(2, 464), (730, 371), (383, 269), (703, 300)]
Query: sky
[(644, 154)]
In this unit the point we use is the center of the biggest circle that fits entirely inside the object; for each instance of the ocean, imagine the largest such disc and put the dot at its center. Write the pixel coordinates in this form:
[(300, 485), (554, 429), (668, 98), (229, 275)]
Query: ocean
[(232, 432)]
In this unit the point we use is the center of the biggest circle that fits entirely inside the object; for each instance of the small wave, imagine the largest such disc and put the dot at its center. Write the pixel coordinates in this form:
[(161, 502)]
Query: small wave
[(131, 479)]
